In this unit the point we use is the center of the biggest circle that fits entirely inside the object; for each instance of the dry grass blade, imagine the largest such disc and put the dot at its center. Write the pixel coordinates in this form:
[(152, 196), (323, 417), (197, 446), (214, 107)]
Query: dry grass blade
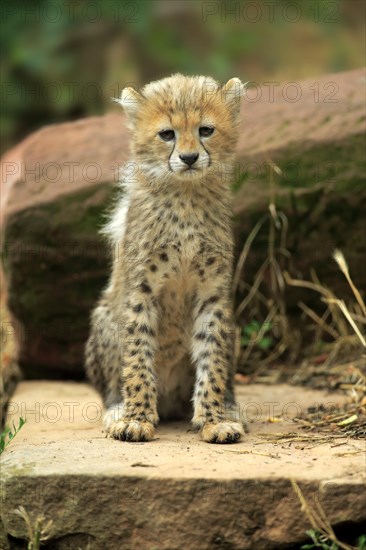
[(276, 353), (295, 437), (319, 520), (254, 288), (318, 320), (307, 284), (268, 455), (342, 306), (37, 531), (343, 266), (244, 253)]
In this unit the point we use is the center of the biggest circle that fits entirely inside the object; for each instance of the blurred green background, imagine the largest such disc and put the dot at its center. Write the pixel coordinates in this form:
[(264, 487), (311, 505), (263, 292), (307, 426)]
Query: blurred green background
[(63, 60)]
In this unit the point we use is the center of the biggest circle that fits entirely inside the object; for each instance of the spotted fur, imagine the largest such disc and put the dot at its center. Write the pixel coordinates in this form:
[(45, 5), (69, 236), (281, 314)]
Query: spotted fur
[(161, 339)]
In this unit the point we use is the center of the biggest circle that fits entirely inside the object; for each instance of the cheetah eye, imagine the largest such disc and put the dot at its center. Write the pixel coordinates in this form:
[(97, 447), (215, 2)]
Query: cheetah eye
[(166, 135), (206, 131)]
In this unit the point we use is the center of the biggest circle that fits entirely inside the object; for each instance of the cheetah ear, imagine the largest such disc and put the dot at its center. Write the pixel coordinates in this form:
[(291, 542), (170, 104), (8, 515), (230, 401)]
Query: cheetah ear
[(232, 93), (130, 100)]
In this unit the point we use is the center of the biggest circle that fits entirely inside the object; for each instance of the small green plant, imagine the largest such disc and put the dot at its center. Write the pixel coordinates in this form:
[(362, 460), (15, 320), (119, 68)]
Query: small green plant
[(319, 541), (257, 334), (38, 530), (322, 533), (8, 435), (322, 541)]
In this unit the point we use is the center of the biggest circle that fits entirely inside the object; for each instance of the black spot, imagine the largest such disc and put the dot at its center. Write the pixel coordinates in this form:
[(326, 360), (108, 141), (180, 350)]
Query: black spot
[(130, 329), (153, 268), (214, 340), (210, 260), (218, 314), (164, 257), (146, 330), (138, 387), (208, 302), (138, 308), (145, 287), (216, 389)]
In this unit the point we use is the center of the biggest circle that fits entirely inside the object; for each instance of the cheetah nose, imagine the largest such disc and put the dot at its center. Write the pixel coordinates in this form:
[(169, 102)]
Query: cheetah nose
[(189, 158)]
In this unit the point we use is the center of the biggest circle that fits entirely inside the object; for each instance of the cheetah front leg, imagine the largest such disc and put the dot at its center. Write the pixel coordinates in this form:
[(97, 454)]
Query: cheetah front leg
[(211, 355), (138, 373)]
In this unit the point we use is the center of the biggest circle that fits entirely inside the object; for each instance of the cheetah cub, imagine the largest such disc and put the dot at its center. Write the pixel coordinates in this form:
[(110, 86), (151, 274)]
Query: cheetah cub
[(162, 335)]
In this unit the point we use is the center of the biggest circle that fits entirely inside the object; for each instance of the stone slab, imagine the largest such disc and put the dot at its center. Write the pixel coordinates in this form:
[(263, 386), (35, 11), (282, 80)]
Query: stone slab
[(176, 491)]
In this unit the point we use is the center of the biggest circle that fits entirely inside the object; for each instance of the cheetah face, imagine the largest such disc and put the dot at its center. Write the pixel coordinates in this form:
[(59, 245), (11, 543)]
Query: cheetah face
[(185, 127), (185, 146)]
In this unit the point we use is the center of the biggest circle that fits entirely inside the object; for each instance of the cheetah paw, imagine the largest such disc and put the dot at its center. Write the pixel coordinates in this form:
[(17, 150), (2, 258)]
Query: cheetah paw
[(223, 432), (132, 431)]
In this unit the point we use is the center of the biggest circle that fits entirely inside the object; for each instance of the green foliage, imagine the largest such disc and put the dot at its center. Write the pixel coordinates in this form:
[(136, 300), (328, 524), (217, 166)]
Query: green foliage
[(319, 541), (322, 541), (8, 435), (65, 60), (257, 334)]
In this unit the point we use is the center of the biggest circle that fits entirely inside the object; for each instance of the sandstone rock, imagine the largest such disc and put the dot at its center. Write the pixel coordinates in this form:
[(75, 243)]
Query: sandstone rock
[(57, 187), (176, 491), (313, 131), (58, 182)]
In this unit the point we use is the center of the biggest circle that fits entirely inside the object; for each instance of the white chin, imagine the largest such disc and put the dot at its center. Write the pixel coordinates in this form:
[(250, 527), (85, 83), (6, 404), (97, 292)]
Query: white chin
[(188, 174)]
